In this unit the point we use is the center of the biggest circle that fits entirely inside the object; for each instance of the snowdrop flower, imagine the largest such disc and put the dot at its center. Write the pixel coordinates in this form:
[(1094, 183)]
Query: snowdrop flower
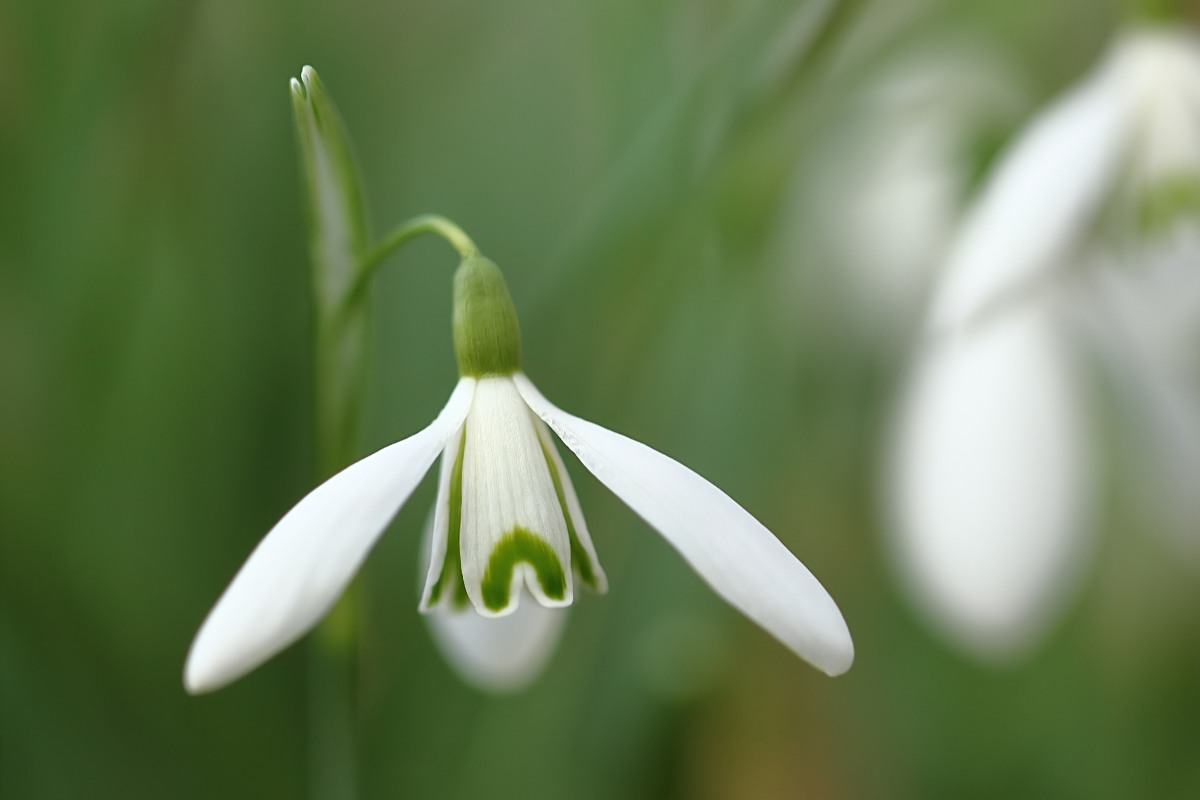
[(990, 480), (508, 532)]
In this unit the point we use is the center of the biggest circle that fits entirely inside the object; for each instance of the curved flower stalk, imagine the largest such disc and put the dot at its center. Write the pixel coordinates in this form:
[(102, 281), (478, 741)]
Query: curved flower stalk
[(990, 470), (508, 531)]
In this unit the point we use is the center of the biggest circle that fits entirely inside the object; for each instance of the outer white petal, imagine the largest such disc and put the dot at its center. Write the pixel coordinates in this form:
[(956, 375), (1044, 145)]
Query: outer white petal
[(988, 482), (1038, 201), (507, 484), (303, 564), (497, 654), (738, 557)]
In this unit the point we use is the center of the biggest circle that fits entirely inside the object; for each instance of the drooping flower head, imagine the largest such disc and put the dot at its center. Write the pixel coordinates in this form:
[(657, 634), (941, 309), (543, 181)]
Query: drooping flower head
[(990, 474), (508, 537)]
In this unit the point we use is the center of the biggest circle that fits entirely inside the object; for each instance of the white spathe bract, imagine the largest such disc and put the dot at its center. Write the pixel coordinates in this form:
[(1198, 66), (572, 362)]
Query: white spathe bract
[(501, 475), (339, 233), (989, 470)]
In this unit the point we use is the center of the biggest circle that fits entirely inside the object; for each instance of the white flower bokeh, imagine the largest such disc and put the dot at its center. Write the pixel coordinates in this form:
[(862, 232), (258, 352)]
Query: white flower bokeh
[(991, 469)]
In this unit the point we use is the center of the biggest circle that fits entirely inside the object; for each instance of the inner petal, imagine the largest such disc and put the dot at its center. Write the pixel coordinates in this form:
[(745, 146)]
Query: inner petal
[(444, 580), (583, 553), (513, 531)]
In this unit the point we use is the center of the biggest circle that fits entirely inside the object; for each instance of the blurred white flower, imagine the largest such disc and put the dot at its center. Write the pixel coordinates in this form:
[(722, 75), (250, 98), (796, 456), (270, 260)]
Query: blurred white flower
[(881, 193), (990, 469), (989, 480), (1143, 313), (507, 527)]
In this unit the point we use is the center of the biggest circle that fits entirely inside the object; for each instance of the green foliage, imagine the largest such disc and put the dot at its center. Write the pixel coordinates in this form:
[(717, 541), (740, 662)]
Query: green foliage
[(630, 165)]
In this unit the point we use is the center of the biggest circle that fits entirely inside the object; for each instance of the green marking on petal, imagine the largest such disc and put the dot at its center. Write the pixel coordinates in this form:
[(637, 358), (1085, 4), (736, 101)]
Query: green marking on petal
[(452, 575), (580, 560), (521, 545)]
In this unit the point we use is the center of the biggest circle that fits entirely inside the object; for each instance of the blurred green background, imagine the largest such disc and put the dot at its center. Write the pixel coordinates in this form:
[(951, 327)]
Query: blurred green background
[(634, 167)]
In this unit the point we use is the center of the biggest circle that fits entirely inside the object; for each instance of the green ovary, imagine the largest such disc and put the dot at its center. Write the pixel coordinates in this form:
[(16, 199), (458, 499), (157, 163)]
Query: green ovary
[(521, 545), (487, 338)]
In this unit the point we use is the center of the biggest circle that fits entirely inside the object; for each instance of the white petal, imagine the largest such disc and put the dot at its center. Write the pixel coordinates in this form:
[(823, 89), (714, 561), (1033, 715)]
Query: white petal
[(506, 487), (575, 512), (302, 565), (497, 654), (738, 557), (989, 482), (439, 523), (1038, 201)]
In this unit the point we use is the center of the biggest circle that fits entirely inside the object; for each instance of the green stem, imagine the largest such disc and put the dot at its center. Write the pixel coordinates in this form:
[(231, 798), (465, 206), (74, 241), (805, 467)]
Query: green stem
[(340, 374), (402, 233), (410, 229), (333, 663), (332, 703)]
